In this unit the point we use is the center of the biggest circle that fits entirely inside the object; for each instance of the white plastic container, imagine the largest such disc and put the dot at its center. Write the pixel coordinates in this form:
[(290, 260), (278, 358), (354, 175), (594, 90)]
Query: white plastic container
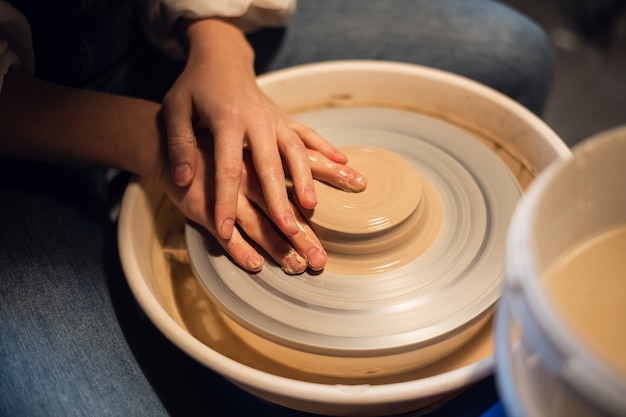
[(544, 367)]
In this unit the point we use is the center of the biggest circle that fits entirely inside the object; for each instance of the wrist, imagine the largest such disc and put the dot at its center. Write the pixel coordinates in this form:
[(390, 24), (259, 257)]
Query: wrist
[(216, 39), (152, 158)]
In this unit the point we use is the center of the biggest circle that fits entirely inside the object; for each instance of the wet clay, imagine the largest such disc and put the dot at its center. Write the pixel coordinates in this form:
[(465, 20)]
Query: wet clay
[(393, 221), (588, 286)]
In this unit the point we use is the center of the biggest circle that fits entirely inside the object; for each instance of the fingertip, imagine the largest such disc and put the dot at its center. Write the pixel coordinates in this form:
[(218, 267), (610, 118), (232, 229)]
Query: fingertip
[(293, 263), (316, 258), (254, 263), (358, 183), (351, 180), (337, 156)]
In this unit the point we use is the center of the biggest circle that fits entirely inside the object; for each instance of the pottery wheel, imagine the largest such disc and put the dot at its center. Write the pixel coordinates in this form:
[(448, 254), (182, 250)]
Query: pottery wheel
[(424, 299)]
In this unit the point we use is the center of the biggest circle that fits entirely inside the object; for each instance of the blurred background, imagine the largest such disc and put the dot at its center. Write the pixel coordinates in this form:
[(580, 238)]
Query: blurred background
[(589, 39)]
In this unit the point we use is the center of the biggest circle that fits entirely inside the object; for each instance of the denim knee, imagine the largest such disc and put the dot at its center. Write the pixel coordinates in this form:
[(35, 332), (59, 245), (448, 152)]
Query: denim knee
[(481, 39), (523, 61)]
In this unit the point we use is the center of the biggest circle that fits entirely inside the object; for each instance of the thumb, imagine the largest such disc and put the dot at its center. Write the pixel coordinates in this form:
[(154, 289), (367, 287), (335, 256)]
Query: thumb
[(181, 142)]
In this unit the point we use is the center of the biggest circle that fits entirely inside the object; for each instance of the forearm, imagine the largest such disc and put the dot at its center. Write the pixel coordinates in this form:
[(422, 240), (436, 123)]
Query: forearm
[(47, 122)]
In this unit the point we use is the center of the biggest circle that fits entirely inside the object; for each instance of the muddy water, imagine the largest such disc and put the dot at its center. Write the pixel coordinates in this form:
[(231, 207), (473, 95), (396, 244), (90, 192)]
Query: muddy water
[(588, 285)]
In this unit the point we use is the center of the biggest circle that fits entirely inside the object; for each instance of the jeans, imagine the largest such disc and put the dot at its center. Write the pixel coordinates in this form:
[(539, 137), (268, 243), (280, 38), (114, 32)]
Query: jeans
[(73, 342), (482, 40)]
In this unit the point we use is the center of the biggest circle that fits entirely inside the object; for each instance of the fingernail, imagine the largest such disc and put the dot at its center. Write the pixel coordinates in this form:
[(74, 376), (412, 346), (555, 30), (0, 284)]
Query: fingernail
[(293, 263), (310, 196), (291, 224), (316, 258), (226, 228), (254, 263), (181, 173)]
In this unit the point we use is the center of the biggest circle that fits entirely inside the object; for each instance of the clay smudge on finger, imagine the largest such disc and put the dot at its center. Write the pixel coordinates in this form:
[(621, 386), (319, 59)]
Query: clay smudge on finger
[(293, 263)]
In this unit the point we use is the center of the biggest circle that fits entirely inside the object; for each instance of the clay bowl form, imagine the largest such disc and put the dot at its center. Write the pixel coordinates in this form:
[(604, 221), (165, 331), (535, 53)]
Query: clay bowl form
[(368, 339)]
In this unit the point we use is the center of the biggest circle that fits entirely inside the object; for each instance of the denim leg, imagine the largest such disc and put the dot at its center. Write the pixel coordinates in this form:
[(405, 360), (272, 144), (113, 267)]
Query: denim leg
[(62, 351), (480, 39)]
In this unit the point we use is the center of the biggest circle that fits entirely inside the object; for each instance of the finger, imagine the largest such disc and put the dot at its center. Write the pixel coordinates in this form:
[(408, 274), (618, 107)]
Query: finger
[(338, 175), (199, 210), (307, 244), (242, 252), (296, 159), (316, 142), (260, 229), (269, 169), (237, 247), (181, 141), (302, 248), (228, 164), (304, 242)]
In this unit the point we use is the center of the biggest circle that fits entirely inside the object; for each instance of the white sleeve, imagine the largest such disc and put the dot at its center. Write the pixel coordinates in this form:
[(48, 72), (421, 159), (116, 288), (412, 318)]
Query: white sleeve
[(16, 48), (160, 16)]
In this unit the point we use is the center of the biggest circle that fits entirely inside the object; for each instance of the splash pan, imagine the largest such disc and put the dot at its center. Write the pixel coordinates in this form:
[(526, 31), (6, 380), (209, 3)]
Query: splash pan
[(154, 256)]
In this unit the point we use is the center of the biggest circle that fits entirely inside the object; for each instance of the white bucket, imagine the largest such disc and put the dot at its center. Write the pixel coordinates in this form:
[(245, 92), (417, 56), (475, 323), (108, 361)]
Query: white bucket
[(544, 368)]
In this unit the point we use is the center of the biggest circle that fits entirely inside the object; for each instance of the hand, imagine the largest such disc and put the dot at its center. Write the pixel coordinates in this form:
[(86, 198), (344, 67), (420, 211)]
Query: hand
[(218, 90), (128, 134), (294, 252)]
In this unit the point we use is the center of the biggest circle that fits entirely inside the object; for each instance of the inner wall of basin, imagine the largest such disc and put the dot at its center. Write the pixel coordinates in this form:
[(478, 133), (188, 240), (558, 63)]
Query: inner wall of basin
[(393, 221)]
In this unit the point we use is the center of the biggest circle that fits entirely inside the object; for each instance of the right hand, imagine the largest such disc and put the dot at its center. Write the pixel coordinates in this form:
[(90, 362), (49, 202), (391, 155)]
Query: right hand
[(294, 252)]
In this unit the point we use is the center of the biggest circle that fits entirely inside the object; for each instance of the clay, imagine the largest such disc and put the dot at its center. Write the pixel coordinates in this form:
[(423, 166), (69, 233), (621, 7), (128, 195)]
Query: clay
[(391, 222)]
